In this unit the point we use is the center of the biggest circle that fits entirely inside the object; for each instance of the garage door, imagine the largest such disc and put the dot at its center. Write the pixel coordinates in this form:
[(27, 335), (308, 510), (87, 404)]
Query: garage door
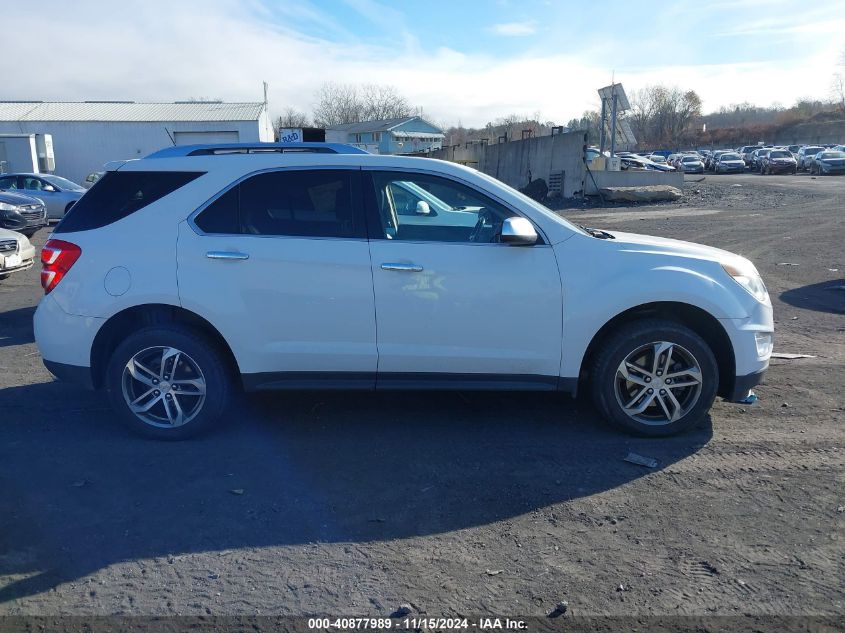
[(196, 138)]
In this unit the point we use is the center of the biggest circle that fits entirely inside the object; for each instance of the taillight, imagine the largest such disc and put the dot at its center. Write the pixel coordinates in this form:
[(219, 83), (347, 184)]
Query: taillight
[(57, 257)]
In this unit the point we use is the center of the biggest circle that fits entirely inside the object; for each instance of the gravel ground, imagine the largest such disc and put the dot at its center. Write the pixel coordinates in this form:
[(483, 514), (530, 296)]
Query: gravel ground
[(457, 503)]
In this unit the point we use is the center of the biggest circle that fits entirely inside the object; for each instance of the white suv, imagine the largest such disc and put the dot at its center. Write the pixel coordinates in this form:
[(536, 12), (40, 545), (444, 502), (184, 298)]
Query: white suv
[(197, 270)]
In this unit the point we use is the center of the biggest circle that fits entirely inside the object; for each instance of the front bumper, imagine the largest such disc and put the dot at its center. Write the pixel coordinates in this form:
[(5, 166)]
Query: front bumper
[(833, 169), (751, 357), (782, 169), (25, 264), (743, 385)]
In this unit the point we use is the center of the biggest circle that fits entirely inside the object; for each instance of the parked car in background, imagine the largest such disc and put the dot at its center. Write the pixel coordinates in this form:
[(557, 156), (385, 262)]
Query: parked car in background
[(58, 194), (636, 162), (778, 161), (16, 253), (808, 151), (793, 149), (184, 276), (757, 157), (657, 158), (713, 158), (21, 213), (690, 164), (729, 163), (828, 162), (746, 151), (91, 178)]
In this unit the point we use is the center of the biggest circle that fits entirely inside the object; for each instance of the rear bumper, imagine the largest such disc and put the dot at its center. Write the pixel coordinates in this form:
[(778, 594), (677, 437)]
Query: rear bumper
[(62, 338)]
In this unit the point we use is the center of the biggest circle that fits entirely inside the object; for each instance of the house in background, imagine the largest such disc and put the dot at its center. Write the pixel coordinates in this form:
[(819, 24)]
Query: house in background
[(390, 136)]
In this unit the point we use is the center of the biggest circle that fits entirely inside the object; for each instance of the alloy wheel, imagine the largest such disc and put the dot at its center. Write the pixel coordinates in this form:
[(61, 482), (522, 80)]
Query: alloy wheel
[(658, 383), (163, 387)]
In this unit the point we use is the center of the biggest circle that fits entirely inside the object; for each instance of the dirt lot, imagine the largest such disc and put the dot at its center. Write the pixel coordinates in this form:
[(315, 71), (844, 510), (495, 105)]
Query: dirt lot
[(458, 503)]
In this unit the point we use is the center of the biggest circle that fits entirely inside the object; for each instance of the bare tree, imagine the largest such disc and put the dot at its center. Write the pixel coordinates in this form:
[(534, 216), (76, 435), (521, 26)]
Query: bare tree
[(347, 103), (664, 115), (290, 118), (383, 102), (337, 104), (837, 84)]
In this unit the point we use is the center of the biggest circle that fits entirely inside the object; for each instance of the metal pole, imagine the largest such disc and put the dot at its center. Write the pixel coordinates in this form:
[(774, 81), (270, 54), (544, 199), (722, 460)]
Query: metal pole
[(601, 125), (613, 125)]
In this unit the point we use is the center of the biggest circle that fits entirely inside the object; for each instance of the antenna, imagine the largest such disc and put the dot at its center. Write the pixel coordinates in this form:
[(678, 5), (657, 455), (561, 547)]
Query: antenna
[(265, 94)]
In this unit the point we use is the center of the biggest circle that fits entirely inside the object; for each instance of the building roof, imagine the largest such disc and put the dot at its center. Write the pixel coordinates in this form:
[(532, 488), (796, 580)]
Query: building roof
[(384, 125), (128, 111)]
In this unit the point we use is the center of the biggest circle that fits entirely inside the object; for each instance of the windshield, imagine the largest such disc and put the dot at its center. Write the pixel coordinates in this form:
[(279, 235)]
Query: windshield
[(813, 150), (62, 183), (730, 157), (779, 154), (833, 155), (690, 159)]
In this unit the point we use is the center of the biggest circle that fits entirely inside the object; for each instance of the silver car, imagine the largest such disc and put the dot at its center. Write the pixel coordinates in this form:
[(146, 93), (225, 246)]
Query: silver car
[(59, 194), (16, 253)]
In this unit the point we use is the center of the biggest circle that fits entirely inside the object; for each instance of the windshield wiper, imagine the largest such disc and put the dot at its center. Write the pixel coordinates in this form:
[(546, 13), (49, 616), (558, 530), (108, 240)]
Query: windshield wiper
[(598, 233)]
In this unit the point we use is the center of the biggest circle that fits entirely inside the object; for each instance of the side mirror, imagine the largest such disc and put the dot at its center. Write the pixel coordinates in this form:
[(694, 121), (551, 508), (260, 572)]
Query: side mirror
[(518, 231), (48, 188), (423, 208)]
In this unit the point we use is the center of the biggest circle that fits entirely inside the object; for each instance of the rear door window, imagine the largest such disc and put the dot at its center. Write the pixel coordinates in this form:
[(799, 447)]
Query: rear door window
[(294, 203), (119, 194)]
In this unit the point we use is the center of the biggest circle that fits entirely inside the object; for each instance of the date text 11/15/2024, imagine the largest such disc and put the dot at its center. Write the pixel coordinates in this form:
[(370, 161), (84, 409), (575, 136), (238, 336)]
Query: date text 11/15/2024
[(415, 623)]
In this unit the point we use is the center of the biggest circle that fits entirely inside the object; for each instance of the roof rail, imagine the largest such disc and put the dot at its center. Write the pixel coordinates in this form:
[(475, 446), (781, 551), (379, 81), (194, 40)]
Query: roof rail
[(255, 148)]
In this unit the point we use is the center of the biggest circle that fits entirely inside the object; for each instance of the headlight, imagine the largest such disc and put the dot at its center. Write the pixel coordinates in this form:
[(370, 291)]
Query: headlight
[(5, 206), (744, 273)]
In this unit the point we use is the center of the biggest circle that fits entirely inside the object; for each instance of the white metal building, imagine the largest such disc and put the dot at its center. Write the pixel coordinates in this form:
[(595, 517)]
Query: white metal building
[(86, 135)]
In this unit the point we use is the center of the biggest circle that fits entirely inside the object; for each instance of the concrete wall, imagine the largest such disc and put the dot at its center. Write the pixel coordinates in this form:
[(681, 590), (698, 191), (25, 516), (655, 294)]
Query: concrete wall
[(630, 178), (516, 163), (83, 147)]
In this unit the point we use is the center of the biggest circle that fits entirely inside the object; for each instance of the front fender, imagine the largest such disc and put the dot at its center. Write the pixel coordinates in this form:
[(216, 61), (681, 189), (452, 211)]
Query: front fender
[(608, 282)]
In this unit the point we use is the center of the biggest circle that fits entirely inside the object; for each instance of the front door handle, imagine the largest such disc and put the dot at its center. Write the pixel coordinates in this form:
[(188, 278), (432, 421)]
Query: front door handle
[(405, 268), (226, 255)]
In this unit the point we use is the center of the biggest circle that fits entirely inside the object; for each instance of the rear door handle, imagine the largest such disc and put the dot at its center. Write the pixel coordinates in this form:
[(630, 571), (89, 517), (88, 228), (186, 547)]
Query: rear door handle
[(405, 268), (226, 255)]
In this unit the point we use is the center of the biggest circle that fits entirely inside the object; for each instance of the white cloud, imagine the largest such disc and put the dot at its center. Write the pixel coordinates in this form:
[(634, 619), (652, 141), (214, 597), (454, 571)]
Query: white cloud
[(225, 49), (514, 29)]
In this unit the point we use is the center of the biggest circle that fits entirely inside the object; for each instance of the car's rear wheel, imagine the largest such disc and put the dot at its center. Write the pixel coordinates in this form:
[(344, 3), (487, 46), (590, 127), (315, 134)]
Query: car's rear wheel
[(654, 377), (168, 382)]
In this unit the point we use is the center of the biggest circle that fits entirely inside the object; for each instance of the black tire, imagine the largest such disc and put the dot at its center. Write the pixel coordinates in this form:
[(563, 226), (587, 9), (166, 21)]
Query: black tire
[(5, 276), (629, 338), (202, 351)]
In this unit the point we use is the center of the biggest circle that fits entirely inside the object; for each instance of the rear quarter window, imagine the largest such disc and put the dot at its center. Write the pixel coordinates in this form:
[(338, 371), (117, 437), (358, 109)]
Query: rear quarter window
[(119, 194)]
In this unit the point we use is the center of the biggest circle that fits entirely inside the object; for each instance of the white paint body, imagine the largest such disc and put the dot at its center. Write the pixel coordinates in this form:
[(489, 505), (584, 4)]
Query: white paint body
[(326, 305)]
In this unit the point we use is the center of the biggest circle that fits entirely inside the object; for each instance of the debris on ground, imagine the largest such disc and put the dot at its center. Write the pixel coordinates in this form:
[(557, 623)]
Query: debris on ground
[(789, 356), (237, 491), (784, 405), (403, 610), (639, 460), (736, 185), (560, 609), (751, 398), (621, 588), (493, 572), (787, 264), (646, 193)]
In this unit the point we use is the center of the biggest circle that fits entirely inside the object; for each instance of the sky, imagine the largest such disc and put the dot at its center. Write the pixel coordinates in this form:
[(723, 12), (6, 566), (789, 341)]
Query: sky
[(461, 61)]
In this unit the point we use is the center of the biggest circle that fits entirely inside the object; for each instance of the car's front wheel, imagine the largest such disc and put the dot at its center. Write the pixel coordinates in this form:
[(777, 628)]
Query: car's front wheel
[(168, 382), (654, 377)]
